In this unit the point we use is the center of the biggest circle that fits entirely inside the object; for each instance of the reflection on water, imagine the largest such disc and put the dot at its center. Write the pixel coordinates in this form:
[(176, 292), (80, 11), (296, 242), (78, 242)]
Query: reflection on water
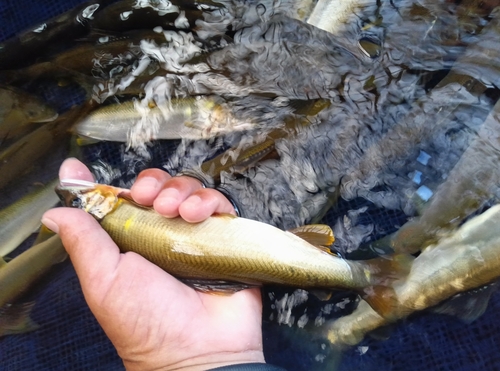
[(378, 118)]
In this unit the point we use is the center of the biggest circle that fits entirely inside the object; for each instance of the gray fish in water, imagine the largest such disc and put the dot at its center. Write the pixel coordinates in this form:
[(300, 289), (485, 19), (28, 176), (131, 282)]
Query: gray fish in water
[(427, 115), (132, 14), (474, 179), (468, 259), (18, 109), (17, 277), (68, 26), (330, 15), (19, 220), (18, 158), (237, 160), (187, 118), (473, 182)]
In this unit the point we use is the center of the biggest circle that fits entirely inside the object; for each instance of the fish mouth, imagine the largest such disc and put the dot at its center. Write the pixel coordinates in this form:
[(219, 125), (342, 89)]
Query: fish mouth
[(96, 199), (70, 190), (68, 198)]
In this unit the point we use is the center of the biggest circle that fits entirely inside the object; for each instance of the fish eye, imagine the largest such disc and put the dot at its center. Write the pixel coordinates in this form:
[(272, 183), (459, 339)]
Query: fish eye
[(76, 202)]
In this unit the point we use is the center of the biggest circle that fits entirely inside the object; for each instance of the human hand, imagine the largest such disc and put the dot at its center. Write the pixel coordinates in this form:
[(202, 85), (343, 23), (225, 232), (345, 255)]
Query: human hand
[(155, 321)]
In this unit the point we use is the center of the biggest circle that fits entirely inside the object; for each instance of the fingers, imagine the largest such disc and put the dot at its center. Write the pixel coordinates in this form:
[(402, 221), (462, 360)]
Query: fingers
[(94, 255), (171, 196), (148, 185), (71, 168), (178, 196), (175, 192), (204, 203)]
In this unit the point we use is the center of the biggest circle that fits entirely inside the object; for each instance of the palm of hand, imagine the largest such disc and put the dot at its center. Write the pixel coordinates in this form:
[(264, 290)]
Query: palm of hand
[(147, 312)]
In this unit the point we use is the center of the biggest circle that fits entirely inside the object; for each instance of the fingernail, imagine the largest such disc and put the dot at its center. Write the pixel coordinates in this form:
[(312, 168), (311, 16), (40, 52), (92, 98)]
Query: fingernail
[(149, 182), (164, 205), (193, 201), (50, 224)]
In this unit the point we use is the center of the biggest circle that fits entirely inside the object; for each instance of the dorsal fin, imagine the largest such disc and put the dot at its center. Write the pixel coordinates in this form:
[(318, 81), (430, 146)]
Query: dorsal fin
[(316, 234)]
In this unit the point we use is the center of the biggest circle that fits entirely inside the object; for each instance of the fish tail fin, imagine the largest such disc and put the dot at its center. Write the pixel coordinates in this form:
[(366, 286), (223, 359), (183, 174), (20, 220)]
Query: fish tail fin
[(384, 301), (384, 272), (15, 319), (386, 269)]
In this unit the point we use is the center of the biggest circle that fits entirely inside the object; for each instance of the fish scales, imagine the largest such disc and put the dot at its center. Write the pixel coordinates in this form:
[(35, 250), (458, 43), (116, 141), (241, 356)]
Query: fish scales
[(207, 250)]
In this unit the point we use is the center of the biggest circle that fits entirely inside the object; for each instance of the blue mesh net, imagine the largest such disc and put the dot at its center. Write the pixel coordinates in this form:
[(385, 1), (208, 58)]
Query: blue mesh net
[(69, 337)]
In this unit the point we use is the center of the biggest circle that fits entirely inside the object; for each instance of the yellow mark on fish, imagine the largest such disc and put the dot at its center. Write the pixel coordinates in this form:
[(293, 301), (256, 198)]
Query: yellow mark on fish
[(128, 223)]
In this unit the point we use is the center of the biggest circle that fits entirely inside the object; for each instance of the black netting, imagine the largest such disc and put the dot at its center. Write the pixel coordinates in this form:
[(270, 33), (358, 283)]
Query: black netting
[(69, 337)]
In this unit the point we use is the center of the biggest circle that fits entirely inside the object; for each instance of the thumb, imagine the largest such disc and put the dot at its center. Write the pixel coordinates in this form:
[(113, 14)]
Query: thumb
[(93, 253)]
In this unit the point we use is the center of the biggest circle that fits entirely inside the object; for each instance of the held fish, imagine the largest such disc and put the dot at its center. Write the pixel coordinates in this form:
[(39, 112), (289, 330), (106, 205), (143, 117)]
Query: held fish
[(19, 220), (225, 249), (468, 259)]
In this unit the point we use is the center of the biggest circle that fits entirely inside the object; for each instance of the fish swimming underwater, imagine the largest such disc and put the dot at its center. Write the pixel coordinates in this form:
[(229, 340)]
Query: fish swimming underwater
[(19, 220), (471, 184), (19, 157), (187, 118), (18, 276), (468, 259), (224, 249), (18, 109)]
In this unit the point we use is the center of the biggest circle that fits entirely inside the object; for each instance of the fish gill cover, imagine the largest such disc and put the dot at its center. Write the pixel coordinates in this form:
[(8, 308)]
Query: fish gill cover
[(391, 137)]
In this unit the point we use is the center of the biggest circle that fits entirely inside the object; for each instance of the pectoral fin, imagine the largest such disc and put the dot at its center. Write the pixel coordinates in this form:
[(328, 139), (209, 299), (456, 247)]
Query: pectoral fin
[(216, 287), (323, 295), (382, 333), (83, 141), (43, 235), (15, 319)]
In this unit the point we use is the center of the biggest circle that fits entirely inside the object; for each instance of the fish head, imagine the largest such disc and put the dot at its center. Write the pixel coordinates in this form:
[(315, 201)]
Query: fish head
[(37, 112), (97, 199)]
